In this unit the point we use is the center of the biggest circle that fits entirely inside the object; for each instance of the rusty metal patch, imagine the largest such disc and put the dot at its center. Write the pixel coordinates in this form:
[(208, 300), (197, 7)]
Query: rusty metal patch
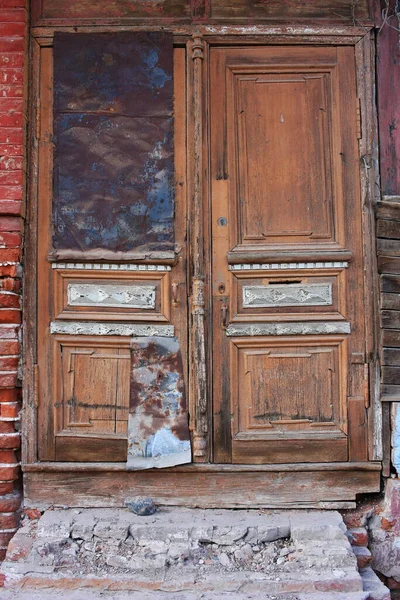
[(158, 430), (113, 130)]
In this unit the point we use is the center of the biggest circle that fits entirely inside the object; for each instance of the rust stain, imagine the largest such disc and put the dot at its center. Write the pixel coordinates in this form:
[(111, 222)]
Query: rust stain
[(158, 431), (113, 125)]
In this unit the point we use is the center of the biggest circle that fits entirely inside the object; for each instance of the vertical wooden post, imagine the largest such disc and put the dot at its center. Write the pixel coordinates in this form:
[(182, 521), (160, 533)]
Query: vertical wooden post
[(197, 371)]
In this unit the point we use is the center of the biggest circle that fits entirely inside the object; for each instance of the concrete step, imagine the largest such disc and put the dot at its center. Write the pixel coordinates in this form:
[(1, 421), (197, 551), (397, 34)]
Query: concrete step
[(77, 595), (256, 554)]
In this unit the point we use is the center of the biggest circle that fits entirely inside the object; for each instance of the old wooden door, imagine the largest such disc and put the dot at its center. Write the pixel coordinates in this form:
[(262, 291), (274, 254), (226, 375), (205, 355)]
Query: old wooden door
[(288, 318), (102, 276)]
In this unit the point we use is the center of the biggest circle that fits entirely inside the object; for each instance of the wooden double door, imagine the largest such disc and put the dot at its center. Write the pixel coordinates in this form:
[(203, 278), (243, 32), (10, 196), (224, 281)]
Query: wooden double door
[(284, 321)]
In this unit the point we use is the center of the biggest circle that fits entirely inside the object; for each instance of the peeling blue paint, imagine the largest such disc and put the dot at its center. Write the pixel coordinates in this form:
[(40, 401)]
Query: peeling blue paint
[(158, 430)]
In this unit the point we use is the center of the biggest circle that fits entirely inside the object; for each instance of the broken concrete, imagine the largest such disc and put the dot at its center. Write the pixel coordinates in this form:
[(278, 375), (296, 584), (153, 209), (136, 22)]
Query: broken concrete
[(186, 553)]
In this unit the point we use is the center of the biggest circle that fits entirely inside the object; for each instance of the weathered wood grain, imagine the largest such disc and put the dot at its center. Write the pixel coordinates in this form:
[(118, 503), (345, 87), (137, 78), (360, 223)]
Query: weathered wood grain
[(273, 489)]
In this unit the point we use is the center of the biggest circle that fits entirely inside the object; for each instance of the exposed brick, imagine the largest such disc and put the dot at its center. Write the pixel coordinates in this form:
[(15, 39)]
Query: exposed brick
[(9, 76), (6, 428), (9, 284), (9, 472), (8, 135), (9, 254), (358, 536), (19, 547), (12, 29), (12, 3), (8, 192), (11, 91), (11, 59), (9, 332), (8, 348), (8, 363), (10, 395), (11, 119), (10, 178), (10, 223), (8, 380), (13, 15), (9, 239), (9, 271), (9, 520), (11, 439), (7, 456), (9, 300), (10, 315), (387, 524), (10, 162), (32, 513), (10, 502), (363, 555), (5, 537), (9, 410), (6, 487), (11, 44)]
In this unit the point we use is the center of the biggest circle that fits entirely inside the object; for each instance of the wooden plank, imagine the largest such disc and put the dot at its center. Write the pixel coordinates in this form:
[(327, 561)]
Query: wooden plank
[(390, 393), (390, 319), (388, 247), (388, 84), (344, 12), (29, 309), (237, 10), (388, 210), (391, 375), (391, 356), (390, 284), (297, 450), (77, 448), (388, 229), (390, 301), (390, 339), (58, 467), (388, 264), (210, 490), (358, 447)]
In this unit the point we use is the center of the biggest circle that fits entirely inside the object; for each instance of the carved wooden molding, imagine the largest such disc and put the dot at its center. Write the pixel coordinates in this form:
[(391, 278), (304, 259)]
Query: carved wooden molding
[(110, 267), (82, 328), (198, 371), (286, 266), (317, 328)]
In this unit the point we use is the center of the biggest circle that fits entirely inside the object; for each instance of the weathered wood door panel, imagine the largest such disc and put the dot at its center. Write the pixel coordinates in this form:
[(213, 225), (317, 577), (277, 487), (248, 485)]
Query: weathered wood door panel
[(92, 302), (287, 256)]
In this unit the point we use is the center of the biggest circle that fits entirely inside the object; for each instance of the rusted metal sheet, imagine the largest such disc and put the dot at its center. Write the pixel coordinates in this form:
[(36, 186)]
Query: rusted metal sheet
[(158, 431), (121, 73), (113, 126)]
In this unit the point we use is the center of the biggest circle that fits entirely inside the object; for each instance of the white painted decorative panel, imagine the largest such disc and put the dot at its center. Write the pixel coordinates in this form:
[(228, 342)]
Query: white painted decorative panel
[(112, 295), (291, 294)]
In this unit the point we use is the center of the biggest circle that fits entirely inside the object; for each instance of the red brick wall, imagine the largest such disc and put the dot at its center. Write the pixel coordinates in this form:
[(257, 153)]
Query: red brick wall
[(13, 40)]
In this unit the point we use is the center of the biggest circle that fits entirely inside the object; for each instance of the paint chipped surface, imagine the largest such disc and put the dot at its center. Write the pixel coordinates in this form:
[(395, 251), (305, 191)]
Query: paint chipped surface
[(158, 430), (113, 128)]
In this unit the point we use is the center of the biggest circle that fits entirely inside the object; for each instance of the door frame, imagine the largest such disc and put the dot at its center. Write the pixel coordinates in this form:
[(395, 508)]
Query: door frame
[(200, 198)]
